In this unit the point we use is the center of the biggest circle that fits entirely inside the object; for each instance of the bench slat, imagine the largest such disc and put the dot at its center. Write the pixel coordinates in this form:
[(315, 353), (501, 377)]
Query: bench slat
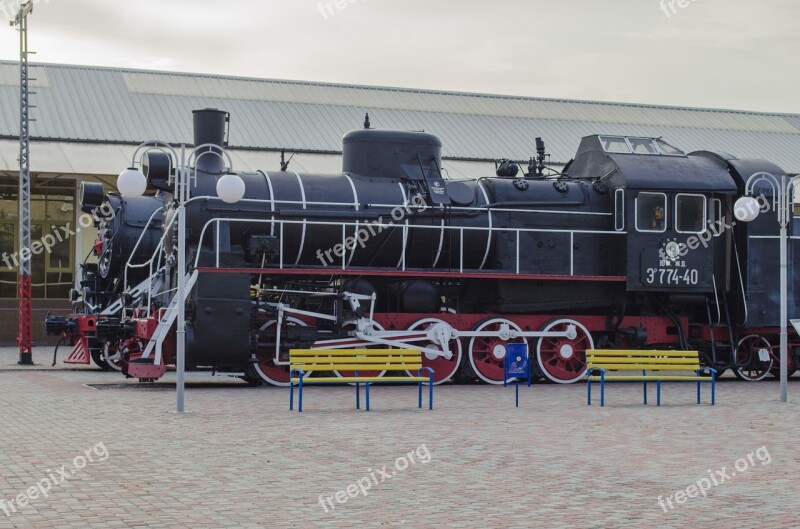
[(347, 380), (645, 378), (356, 367), (648, 367), (634, 352), (353, 352), (635, 360), (351, 359)]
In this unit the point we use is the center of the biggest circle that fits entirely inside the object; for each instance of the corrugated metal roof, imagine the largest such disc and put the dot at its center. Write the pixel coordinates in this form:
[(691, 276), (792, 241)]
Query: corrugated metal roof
[(57, 158), (79, 103)]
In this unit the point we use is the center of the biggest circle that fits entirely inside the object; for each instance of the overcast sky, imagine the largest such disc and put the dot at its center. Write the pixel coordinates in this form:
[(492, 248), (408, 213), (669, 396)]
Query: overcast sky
[(739, 54)]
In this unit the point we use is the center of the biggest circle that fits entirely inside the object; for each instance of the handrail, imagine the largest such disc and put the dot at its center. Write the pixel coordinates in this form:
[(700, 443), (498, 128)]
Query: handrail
[(136, 247), (405, 227), (347, 206)]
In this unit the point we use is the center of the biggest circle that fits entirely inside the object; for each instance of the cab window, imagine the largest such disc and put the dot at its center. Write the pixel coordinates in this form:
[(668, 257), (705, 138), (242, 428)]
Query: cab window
[(619, 210), (690, 213), (651, 212), (643, 146), (615, 144), (667, 149)]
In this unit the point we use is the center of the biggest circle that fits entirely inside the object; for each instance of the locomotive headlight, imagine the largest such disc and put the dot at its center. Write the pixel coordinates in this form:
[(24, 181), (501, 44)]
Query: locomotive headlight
[(673, 250), (230, 188), (131, 183), (746, 209)]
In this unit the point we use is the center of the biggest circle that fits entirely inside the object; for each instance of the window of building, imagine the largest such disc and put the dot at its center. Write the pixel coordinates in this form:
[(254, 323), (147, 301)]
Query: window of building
[(651, 212), (52, 224)]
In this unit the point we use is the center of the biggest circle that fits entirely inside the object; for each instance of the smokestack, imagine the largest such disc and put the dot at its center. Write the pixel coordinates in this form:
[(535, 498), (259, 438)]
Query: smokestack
[(210, 126)]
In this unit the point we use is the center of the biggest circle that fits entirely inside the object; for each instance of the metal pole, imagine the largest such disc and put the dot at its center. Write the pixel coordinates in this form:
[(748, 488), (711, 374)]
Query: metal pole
[(181, 185), (784, 213), (25, 336), (784, 302)]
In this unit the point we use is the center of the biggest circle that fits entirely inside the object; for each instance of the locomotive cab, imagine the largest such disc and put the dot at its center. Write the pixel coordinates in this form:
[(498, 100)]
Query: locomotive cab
[(674, 207)]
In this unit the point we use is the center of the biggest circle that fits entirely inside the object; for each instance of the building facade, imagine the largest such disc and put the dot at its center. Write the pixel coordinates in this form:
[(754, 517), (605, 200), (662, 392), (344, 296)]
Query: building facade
[(89, 120)]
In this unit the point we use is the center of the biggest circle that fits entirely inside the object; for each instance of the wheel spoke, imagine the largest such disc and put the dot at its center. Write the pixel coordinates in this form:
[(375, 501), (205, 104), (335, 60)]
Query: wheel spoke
[(483, 352), (563, 360), (276, 375), (750, 367), (443, 368)]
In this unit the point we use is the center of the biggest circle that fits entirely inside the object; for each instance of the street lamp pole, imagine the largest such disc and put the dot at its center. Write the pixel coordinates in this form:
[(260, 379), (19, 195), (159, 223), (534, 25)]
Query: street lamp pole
[(131, 183), (783, 202), (181, 184)]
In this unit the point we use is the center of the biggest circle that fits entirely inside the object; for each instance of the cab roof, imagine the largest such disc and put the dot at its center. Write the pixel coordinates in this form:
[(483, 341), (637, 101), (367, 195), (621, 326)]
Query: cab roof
[(648, 163)]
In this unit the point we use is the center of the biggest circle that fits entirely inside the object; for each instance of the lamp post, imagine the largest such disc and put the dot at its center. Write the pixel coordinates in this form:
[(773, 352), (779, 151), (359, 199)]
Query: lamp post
[(132, 183), (747, 209)]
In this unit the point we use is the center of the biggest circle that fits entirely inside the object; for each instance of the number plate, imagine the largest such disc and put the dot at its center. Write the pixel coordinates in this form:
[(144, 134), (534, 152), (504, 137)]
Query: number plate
[(763, 355), (658, 276)]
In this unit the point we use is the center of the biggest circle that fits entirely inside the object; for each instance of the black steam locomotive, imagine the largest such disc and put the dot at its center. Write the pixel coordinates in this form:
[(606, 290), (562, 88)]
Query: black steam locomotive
[(632, 244)]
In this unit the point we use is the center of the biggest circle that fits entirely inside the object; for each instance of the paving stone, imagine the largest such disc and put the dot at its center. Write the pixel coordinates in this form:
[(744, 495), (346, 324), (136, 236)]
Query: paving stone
[(241, 459)]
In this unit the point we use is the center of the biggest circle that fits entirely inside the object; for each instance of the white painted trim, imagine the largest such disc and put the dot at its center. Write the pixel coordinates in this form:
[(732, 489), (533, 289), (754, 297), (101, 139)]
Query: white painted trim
[(303, 236)]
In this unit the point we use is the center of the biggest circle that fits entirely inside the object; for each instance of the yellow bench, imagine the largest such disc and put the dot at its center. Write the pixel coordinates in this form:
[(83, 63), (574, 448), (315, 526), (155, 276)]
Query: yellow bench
[(305, 362), (651, 364)]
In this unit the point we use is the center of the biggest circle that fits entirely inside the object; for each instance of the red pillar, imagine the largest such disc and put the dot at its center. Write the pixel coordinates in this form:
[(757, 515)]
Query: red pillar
[(25, 338)]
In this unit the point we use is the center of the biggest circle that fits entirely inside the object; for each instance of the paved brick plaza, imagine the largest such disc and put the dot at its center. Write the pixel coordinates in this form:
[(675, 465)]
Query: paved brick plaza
[(241, 459)]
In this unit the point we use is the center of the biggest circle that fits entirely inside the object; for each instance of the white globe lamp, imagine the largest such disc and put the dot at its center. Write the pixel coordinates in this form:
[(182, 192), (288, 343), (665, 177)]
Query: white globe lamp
[(230, 188), (131, 183), (746, 209)]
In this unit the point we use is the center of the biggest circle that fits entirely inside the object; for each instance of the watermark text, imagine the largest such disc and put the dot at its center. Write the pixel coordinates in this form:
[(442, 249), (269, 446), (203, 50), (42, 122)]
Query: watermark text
[(715, 478), (98, 453), (374, 478)]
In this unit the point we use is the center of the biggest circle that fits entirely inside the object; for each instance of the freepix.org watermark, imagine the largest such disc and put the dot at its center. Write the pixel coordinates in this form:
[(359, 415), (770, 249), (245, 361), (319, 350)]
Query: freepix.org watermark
[(10, 8), (370, 229), (97, 454), (58, 235), (670, 7), (374, 478), (329, 8), (715, 478)]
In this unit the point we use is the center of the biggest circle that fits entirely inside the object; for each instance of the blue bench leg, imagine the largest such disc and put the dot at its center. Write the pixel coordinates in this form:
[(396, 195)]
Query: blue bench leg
[(291, 394), (589, 391), (658, 398), (419, 403), (517, 387), (645, 392), (698, 392), (430, 392), (602, 389), (713, 388), (300, 396), (367, 384), (358, 396)]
